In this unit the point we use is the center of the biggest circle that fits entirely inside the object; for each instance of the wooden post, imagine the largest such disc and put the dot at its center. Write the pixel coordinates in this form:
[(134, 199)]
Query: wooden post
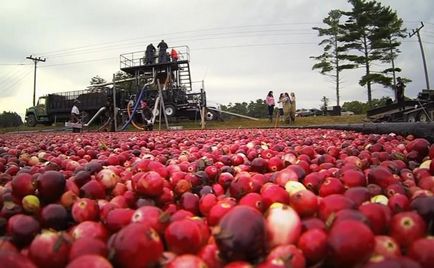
[(276, 124), (202, 117), (114, 105)]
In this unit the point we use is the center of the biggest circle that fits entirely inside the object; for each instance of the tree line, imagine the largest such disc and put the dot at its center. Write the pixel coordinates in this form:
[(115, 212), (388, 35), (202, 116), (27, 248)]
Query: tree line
[(10, 119), (258, 108)]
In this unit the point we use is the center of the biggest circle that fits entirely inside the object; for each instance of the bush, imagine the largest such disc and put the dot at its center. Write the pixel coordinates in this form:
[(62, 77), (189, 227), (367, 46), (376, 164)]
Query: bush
[(10, 119)]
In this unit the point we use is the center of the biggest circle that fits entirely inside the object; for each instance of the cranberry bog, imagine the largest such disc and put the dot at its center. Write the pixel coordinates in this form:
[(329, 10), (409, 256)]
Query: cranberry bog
[(217, 198)]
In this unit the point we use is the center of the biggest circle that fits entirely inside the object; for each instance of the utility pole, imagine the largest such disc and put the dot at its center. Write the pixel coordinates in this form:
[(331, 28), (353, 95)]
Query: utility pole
[(35, 60), (416, 31)]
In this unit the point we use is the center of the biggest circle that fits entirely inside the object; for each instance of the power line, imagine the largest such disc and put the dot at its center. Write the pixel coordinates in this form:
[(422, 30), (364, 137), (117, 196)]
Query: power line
[(202, 48), (16, 76), (98, 46), (12, 64), (208, 36), (107, 46), (239, 34), (258, 45), (50, 53), (10, 75), (10, 86), (78, 62)]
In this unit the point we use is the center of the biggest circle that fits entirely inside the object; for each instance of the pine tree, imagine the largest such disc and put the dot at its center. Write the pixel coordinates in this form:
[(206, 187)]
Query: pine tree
[(331, 61), (371, 35), (94, 81)]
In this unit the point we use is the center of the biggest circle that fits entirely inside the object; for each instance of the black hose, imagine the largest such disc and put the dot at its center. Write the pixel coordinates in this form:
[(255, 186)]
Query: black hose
[(136, 105), (418, 129)]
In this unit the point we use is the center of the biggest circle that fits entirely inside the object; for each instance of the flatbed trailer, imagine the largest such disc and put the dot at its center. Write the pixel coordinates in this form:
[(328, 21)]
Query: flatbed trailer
[(417, 110)]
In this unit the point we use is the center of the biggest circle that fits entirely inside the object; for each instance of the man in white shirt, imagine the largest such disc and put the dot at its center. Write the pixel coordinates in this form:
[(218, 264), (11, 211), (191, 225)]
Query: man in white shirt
[(75, 115)]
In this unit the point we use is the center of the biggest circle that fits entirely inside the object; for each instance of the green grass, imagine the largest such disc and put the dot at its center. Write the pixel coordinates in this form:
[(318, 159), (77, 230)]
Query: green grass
[(265, 123), (226, 124)]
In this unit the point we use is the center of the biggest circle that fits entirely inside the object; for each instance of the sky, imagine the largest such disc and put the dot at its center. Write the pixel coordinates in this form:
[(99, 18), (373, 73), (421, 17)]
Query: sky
[(241, 49)]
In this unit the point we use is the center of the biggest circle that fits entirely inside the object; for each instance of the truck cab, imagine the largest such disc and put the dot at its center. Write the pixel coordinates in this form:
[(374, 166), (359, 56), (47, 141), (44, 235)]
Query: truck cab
[(38, 114)]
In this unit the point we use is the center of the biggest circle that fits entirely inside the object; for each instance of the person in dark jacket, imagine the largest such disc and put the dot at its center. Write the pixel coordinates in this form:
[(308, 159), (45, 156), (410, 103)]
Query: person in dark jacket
[(162, 56), (150, 54), (400, 91)]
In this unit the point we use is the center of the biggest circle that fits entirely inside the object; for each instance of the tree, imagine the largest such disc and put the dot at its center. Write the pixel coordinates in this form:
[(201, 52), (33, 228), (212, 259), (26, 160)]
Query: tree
[(129, 86), (389, 35), (256, 108), (325, 102), (94, 81), (361, 108), (239, 108), (356, 107), (331, 61), (10, 119), (371, 31)]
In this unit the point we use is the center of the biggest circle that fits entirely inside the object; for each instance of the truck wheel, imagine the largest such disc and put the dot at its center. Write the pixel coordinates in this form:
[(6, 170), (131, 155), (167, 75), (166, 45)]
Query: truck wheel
[(211, 116), (411, 117), (31, 120), (423, 117), (169, 110)]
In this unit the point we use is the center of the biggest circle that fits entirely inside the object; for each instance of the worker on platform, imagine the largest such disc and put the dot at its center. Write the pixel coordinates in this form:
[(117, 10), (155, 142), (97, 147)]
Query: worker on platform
[(174, 55), (400, 91), (162, 46), (75, 115), (150, 54)]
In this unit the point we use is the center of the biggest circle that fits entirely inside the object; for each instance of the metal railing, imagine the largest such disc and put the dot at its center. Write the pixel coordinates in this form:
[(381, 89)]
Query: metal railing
[(137, 58)]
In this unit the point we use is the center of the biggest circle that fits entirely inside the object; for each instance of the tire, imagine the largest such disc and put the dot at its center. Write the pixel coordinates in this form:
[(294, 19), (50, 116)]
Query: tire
[(31, 120), (422, 117), (211, 116), (169, 110), (411, 117)]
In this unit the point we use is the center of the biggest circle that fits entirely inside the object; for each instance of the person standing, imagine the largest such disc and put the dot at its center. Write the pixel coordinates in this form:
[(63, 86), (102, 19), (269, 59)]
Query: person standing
[(280, 107), (75, 115), (146, 114), (269, 100), (150, 54), (400, 92), (174, 55), (293, 107), (286, 108), (162, 47)]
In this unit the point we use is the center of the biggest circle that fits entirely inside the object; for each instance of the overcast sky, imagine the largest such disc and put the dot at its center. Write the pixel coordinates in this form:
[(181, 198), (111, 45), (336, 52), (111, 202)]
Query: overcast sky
[(240, 48)]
